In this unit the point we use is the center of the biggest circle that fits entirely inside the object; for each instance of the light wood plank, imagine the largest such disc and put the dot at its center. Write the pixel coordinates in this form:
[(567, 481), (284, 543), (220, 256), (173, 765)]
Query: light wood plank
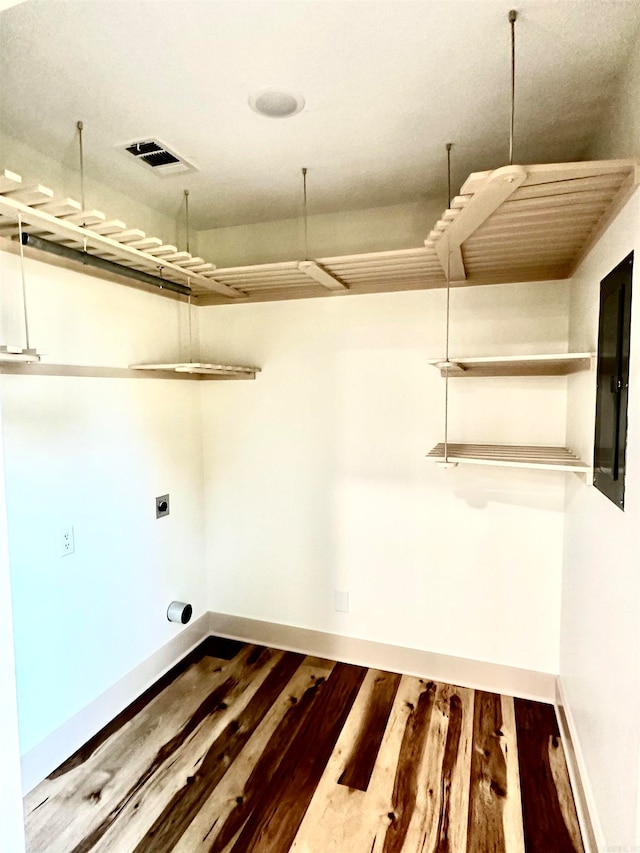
[(138, 812), (106, 779), (605, 182), (61, 207), (147, 243), (83, 217), (395, 254), (191, 262), (131, 236), (498, 188), (558, 214), (9, 180), (175, 257), (556, 172), (201, 268), (534, 237), (158, 251), (512, 814), (31, 196), (340, 819), (558, 201), (111, 226), (560, 773), (504, 254)]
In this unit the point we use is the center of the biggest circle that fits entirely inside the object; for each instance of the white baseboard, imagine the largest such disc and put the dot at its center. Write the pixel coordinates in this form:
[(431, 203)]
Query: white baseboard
[(60, 744), (508, 680), (592, 834)]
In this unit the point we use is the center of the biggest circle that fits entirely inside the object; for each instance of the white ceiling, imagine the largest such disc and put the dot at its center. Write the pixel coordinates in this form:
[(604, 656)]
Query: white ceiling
[(387, 85)]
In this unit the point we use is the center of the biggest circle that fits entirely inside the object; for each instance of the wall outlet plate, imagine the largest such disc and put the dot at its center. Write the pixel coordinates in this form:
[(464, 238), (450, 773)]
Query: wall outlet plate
[(341, 601), (66, 544), (162, 506)]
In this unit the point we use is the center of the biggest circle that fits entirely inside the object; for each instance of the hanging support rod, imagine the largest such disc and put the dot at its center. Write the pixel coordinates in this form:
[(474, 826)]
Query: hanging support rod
[(102, 264)]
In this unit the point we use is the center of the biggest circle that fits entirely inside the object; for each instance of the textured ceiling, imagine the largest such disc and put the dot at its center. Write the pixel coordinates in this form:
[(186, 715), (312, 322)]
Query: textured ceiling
[(387, 85)]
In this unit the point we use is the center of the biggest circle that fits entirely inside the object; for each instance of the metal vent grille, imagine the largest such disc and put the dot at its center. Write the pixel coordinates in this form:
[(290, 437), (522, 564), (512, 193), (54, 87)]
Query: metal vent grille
[(159, 157)]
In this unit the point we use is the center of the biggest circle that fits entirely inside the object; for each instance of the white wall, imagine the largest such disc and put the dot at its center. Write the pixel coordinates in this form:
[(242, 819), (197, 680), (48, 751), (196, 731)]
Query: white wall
[(10, 793), (94, 453), (399, 226), (600, 636), (619, 131), (316, 479), (600, 640)]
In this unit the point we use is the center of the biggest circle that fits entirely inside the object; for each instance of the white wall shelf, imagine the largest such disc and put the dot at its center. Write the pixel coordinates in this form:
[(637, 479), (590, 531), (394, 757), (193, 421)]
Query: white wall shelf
[(557, 364), (510, 456), (147, 371)]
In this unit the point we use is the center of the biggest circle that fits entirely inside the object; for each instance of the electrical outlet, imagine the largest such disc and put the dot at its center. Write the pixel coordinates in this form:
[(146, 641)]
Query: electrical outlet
[(65, 542), (341, 601)]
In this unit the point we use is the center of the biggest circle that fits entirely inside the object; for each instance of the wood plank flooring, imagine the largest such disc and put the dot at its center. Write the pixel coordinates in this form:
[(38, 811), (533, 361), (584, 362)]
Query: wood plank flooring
[(242, 748)]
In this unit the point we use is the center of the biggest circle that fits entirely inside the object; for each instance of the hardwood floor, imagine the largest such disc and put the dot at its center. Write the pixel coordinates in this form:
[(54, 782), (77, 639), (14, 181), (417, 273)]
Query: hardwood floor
[(242, 748)]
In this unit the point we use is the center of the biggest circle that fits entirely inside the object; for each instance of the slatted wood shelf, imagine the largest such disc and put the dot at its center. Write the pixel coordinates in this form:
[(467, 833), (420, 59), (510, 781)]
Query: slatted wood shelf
[(514, 224), (530, 222), (200, 369), (559, 364), (63, 221), (510, 456), (167, 371)]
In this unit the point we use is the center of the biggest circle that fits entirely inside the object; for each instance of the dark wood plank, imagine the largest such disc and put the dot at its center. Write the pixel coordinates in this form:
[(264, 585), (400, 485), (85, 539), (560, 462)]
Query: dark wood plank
[(223, 647), (87, 749), (276, 817), (187, 802), (488, 778), (405, 785), (362, 759), (545, 825), (267, 766), (451, 748)]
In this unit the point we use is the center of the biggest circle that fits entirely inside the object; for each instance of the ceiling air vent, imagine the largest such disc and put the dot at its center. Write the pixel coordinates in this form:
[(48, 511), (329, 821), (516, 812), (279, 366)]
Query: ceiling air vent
[(159, 157)]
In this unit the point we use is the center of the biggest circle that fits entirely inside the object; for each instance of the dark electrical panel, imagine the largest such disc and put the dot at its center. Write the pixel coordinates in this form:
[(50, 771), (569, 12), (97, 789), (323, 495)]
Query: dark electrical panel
[(614, 339)]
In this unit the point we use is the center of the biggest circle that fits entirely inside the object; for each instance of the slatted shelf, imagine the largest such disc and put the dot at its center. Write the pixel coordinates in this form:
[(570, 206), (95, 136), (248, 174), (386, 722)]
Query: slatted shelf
[(530, 222), (510, 456), (63, 221), (199, 368), (139, 371), (557, 364), (514, 224)]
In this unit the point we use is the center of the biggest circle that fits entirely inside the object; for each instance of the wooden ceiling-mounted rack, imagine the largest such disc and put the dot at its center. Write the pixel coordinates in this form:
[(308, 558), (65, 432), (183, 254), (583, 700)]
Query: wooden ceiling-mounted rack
[(530, 223), (62, 220), (514, 224)]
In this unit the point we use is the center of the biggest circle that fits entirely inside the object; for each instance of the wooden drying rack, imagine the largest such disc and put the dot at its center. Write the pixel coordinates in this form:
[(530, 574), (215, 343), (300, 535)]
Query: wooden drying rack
[(514, 224)]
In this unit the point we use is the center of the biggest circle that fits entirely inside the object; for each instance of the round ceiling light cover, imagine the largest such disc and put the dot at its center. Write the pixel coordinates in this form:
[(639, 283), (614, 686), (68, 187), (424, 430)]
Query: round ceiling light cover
[(276, 103)]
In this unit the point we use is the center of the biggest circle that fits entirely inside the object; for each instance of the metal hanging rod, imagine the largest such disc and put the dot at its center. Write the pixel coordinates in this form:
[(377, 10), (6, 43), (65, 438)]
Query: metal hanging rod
[(186, 217), (80, 127), (102, 264), (512, 21), (305, 214), (27, 353)]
